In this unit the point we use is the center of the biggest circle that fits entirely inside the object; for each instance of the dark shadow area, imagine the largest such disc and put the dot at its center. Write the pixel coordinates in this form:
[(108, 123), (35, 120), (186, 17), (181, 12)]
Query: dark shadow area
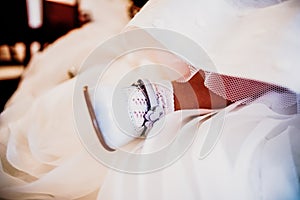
[(7, 88), (57, 20)]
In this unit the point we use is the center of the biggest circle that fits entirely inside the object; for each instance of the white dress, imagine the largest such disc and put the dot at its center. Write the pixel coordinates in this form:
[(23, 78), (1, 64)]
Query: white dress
[(255, 156)]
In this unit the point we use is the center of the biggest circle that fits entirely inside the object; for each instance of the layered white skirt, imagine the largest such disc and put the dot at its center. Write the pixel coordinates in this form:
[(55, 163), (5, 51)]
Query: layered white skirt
[(256, 156)]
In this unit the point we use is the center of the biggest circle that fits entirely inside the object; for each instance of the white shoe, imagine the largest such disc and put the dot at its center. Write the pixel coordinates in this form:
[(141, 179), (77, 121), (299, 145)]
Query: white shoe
[(123, 114)]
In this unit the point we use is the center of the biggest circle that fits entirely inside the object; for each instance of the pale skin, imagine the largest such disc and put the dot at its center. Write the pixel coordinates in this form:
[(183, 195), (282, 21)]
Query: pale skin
[(193, 95), (187, 95)]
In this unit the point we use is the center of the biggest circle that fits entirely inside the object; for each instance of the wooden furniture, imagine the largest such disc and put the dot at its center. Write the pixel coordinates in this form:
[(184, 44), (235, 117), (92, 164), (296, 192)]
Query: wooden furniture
[(58, 19), (14, 24)]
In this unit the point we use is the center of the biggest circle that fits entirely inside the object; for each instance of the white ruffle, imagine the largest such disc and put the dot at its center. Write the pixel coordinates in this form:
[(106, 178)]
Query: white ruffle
[(256, 156), (252, 159), (255, 43)]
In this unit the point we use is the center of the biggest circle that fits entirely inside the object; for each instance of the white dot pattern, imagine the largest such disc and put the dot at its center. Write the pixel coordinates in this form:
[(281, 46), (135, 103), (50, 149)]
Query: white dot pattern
[(138, 103), (137, 107)]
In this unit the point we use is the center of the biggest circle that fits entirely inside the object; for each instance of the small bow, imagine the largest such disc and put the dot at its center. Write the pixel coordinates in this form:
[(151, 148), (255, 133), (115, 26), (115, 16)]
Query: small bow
[(153, 115)]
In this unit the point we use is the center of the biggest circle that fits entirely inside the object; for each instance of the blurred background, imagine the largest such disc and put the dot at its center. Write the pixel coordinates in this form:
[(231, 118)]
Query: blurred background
[(28, 26)]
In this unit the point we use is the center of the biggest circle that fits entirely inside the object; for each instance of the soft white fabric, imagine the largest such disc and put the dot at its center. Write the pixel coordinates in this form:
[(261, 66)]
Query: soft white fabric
[(251, 160), (46, 159), (255, 157), (248, 162), (51, 66), (256, 43)]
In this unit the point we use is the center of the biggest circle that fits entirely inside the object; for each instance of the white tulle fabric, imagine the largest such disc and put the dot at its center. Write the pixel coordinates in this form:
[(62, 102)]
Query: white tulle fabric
[(240, 41), (248, 42), (256, 156), (252, 162)]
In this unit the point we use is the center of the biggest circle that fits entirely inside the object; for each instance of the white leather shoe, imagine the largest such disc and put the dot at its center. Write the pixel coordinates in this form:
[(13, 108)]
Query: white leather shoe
[(120, 115)]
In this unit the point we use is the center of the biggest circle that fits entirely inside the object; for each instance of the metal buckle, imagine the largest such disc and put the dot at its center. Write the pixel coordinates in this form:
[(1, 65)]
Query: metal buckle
[(155, 111)]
